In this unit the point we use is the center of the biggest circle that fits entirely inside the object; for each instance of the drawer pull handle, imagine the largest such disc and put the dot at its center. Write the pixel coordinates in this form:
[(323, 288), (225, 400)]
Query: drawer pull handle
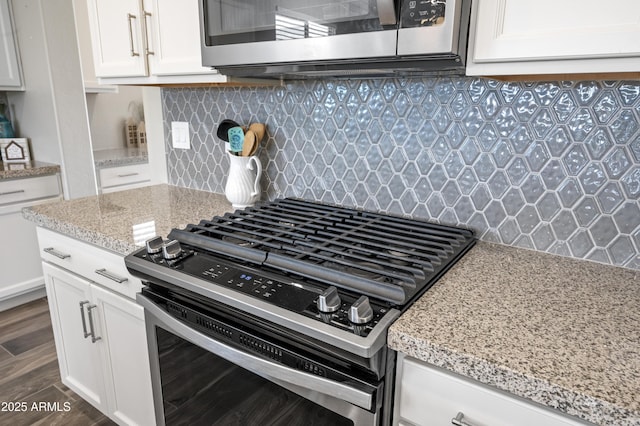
[(132, 49), (111, 276), (56, 253), (458, 420), (128, 175), (18, 191), (147, 51), (84, 322), (91, 329)]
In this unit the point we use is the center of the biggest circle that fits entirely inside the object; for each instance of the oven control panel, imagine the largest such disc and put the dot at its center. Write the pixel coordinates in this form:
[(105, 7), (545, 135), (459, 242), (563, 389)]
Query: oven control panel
[(357, 315)]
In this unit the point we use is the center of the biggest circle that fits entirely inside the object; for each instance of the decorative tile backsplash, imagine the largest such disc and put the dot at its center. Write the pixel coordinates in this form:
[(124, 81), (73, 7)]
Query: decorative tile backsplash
[(554, 167)]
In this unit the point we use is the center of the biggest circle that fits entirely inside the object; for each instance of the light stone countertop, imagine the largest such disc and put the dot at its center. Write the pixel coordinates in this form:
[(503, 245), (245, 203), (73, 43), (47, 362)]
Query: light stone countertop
[(115, 221), (26, 169), (562, 332), (116, 157)]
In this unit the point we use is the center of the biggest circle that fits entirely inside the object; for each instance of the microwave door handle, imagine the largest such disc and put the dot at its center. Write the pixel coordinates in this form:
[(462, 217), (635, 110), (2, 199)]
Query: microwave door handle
[(387, 12), (260, 366)]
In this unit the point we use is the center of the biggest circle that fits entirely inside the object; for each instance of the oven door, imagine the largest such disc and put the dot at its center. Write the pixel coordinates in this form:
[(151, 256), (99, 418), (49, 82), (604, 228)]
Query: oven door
[(200, 380), (242, 32)]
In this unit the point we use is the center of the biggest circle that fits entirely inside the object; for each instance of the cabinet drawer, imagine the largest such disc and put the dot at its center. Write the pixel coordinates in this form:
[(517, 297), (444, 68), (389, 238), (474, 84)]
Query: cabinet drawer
[(431, 396), (124, 175), (28, 189), (93, 263)]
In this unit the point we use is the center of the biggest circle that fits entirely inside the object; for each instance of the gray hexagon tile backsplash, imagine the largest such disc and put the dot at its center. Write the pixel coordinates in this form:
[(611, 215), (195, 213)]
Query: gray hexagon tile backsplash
[(553, 167)]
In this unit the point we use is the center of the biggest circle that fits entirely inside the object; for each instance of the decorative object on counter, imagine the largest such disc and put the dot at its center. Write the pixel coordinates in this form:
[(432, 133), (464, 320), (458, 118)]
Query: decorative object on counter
[(243, 181), (15, 150), (142, 136), (134, 126), (6, 128)]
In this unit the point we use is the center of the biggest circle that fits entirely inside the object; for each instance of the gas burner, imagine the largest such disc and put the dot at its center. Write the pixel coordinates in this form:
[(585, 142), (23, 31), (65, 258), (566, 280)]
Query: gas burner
[(361, 269), (369, 273), (400, 258), (286, 224), (239, 239)]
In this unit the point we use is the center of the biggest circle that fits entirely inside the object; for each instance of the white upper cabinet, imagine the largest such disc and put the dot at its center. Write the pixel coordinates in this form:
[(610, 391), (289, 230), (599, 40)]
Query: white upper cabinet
[(551, 37), (174, 36), (10, 71), (118, 39), (146, 42)]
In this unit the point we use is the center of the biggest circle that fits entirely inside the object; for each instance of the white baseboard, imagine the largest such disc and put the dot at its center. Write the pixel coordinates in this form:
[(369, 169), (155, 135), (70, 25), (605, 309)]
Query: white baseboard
[(21, 293)]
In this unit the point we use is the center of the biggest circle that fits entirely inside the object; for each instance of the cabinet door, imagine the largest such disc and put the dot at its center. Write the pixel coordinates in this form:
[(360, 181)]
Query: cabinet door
[(20, 264), (10, 77), (174, 33), (117, 38), (127, 376), (78, 357), (596, 36)]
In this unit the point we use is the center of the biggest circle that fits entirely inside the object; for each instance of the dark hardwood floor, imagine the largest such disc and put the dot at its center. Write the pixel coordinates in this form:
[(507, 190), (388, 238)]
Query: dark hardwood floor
[(29, 374)]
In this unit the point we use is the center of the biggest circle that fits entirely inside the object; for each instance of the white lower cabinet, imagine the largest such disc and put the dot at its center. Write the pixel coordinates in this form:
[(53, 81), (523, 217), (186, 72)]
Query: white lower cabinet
[(427, 395), (20, 267), (99, 331)]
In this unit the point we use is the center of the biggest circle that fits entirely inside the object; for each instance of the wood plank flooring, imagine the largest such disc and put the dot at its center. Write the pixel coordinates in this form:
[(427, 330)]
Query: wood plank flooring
[(29, 374)]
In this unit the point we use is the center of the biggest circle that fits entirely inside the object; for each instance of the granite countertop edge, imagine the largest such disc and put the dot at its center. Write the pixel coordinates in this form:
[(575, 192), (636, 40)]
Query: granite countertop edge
[(117, 162), (36, 169), (116, 157), (69, 229)]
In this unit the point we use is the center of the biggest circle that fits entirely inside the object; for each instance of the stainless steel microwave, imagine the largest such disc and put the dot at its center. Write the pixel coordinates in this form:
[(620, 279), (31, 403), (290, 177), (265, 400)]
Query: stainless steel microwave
[(334, 38)]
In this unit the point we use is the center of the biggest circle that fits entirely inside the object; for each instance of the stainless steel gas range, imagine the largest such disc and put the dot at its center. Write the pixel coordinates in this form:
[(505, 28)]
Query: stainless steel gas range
[(278, 314)]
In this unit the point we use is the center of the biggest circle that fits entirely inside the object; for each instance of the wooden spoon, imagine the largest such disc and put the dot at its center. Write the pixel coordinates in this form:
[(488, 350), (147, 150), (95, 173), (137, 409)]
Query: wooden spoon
[(250, 143), (259, 129)]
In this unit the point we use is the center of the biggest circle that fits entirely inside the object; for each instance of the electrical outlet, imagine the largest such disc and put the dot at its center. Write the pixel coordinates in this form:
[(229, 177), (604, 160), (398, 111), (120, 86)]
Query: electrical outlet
[(180, 135)]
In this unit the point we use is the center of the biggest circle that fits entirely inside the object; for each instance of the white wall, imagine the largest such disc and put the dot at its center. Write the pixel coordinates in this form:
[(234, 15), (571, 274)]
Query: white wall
[(107, 115), (52, 111)]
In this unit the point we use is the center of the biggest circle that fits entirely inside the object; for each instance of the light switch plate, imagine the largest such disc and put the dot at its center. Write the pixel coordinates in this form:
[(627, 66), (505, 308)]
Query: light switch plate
[(180, 135)]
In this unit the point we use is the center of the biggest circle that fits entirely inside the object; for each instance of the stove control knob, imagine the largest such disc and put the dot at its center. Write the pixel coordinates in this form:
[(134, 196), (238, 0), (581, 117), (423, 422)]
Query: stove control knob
[(171, 250), (329, 301), (361, 312), (154, 245)]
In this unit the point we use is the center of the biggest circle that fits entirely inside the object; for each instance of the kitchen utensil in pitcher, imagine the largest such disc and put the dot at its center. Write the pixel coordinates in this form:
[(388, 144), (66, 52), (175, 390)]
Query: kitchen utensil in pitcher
[(236, 139), (223, 129), (259, 129), (250, 144), (243, 181)]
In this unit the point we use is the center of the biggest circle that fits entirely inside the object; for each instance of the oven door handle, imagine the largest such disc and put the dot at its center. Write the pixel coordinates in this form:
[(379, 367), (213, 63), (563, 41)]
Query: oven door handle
[(262, 367)]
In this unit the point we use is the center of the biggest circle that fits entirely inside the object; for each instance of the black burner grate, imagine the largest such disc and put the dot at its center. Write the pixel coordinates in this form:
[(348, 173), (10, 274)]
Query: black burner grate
[(386, 257)]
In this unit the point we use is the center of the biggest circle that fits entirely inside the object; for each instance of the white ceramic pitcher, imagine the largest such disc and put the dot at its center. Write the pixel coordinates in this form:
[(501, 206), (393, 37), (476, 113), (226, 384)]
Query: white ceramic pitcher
[(243, 181)]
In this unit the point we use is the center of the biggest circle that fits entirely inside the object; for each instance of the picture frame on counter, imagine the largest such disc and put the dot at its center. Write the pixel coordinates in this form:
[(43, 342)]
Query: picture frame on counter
[(15, 150)]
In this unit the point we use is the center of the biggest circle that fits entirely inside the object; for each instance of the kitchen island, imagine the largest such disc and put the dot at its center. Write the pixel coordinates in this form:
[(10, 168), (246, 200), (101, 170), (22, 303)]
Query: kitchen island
[(561, 332)]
